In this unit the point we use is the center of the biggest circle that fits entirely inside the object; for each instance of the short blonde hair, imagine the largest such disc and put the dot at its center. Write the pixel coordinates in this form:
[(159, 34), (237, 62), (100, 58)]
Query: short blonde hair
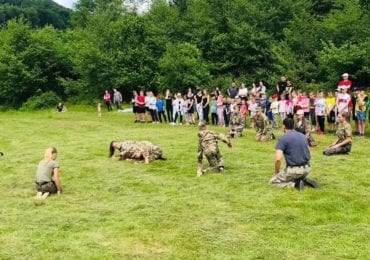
[(48, 156)]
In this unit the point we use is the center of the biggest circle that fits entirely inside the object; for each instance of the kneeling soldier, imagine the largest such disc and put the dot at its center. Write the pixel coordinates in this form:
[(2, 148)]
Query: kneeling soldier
[(263, 126)]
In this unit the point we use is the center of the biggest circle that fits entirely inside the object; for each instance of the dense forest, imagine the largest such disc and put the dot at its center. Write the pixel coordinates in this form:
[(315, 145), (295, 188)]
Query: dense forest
[(179, 44)]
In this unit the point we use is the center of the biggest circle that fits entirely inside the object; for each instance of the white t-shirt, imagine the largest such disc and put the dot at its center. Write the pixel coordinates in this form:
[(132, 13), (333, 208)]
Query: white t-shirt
[(342, 101), (320, 105), (152, 103), (243, 92), (252, 109)]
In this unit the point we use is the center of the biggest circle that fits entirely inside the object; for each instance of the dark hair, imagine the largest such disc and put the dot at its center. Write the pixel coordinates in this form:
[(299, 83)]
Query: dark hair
[(111, 149), (288, 123)]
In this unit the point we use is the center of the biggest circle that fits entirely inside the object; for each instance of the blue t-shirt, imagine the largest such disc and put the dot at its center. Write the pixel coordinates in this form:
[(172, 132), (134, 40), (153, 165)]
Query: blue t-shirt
[(160, 105), (295, 148), (213, 106)]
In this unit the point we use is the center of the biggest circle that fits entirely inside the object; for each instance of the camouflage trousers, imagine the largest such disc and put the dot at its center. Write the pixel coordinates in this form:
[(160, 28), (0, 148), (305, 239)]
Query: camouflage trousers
[(264, 137), (153, 153), (214, 159), (287, 177), (46, 187), (345, 149)]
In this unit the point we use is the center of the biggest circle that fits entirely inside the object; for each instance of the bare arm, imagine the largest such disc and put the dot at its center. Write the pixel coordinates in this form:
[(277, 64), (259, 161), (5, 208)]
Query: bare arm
[(346, 141), (57, 180), (278, 159)]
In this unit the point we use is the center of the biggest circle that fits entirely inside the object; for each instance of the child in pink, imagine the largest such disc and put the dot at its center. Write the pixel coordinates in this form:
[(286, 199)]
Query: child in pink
[(220, 110), (282, 107)]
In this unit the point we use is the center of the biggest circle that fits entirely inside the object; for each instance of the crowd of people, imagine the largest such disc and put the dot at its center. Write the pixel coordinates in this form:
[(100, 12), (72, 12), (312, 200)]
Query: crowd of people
[(217, 108)]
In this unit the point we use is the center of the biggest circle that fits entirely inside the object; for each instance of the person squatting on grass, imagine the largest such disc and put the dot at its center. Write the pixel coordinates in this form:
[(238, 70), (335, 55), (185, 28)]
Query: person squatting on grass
[(343, 143), (47, 175), (263, 126), (237, 124), (293, 146), (136, 151), (208, 146)]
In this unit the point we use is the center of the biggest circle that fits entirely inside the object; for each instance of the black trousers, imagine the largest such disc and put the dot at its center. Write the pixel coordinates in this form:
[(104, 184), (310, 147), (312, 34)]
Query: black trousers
[(214, 118), (169, 113), (206, 114), (177, 115), (321, 121), (160, 114), (154, 115)]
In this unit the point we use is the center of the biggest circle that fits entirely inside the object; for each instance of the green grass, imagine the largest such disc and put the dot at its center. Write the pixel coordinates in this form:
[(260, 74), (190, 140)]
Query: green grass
[(114, 209)]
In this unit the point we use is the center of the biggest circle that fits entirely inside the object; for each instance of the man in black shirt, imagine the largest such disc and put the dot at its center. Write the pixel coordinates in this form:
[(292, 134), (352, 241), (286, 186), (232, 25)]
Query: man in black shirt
[(281, 86), (233, 90), (294, 147)]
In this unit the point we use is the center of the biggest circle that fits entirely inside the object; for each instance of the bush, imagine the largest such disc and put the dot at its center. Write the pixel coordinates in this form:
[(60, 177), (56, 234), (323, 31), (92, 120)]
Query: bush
[(41, 101)]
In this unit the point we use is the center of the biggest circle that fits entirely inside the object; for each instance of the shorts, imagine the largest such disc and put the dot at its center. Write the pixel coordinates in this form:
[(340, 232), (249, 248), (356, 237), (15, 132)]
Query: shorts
[(135, 109), (361, 115), (140, 110), (46, 187), (331, 117)]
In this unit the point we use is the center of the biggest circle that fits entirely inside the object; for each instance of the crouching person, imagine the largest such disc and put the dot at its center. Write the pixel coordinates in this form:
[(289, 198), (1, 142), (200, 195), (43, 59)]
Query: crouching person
[(47, 175), (343, 144), (293, 146), (263, 126), (208, 146), (137, 151), (237, 124)]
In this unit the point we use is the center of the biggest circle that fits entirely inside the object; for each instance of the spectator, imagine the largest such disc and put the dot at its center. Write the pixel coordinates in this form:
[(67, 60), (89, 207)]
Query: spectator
[(320, 108), (275, 111), (160, 109), (214, 110), (345, 83), (152, 106), (361, 112), (169, 109), (342, 103), (117, 99), (330, 111), (135, 106), (262, 88), (141, 107), (107, 100), (243, 92), (205, 102), (233, 90), (281, 86)]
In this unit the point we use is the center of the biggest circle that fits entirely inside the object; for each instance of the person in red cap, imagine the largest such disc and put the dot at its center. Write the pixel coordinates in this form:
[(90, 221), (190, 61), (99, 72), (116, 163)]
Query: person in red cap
[(345, 84)]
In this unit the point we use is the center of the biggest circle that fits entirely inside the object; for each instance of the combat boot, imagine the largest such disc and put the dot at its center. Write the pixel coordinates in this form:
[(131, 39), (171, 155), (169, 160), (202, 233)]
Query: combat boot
[(299, 185), (311, 183)]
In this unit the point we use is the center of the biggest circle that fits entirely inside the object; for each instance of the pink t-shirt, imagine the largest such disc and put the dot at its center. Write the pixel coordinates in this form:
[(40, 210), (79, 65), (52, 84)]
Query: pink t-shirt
[(304, 103), (282, 107)]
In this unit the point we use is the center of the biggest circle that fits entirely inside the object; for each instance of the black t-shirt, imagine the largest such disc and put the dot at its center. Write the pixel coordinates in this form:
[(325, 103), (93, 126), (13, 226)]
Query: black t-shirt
[(282, 87), (199, 99), (233, 92), (295, 148)]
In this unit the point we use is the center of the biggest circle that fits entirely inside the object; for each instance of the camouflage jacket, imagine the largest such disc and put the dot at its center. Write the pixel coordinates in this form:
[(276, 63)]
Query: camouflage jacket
[(208, 143), (303, 127), (236, 121), (344, 131), (146, 149), (262, 124)]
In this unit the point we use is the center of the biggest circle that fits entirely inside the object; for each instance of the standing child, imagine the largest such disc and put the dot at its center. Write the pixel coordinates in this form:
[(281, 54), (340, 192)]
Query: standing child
[(289, 106), (99, 109), (282, 107), (227, 111), (320, 110), (243, 111), (214, 110), (275, 111), (160, 109), (312, 110), (220, 110), (252, 111)]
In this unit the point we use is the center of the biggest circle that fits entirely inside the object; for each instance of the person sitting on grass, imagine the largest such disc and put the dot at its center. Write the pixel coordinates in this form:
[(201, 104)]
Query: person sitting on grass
[(208, 146), (136, 151), (61, 108), (343, 143), (47, 175)]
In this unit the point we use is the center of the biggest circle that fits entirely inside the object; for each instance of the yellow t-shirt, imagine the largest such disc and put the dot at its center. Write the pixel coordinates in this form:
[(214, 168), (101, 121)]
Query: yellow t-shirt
[(330, 103)]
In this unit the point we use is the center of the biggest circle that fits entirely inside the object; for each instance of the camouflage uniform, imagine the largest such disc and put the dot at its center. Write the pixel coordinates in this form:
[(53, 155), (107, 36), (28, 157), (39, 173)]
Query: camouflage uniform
[(236, 125), (344, 131), (304, 128), (263, 128), (208, 145), (140, 150)]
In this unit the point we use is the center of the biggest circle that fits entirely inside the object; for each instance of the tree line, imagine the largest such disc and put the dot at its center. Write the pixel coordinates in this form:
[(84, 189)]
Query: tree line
[(185, 43)]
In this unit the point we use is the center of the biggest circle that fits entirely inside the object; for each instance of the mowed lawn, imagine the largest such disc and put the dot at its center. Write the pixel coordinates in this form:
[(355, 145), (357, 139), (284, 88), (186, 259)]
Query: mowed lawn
[(120, 210)]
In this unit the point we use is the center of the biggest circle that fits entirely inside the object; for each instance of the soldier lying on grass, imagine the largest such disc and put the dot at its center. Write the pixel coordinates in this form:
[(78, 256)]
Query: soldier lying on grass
[(136, 151)]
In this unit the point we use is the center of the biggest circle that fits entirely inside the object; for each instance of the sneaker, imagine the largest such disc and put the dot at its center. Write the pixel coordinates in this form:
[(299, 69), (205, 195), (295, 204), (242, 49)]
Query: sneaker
[(221, 169), (299, 185)]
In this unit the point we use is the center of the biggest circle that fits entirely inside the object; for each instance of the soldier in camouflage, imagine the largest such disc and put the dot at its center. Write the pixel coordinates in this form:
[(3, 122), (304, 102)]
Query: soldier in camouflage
[(343, 144), (136, 151), (208, 146), (263, 126), (237, 124), (303, 126)]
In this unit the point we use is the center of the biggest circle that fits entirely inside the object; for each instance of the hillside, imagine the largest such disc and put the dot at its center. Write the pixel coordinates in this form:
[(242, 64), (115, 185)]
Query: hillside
[(38, 12)]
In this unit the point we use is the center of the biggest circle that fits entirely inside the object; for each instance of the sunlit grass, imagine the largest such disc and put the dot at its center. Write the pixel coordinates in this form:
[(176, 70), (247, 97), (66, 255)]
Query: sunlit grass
[(115, 209)]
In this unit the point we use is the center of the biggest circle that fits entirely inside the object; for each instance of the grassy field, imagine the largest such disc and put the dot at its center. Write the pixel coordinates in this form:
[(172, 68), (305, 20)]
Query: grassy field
[(120, 210)]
